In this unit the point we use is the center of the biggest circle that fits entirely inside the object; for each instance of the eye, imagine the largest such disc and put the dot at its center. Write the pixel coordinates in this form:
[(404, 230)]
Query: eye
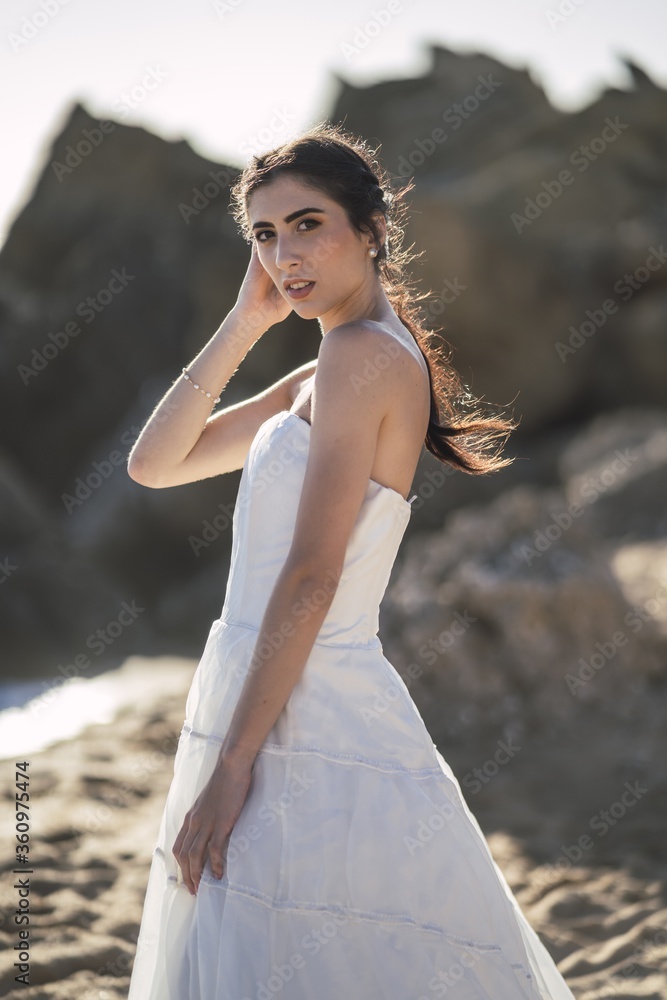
[(310, 222)]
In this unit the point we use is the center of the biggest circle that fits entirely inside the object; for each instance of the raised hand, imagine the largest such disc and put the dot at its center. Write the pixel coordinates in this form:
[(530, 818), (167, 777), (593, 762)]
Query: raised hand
[(260, 303)]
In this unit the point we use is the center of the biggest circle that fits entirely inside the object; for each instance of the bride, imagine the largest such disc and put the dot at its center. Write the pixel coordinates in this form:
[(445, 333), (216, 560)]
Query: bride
[(328, 453)]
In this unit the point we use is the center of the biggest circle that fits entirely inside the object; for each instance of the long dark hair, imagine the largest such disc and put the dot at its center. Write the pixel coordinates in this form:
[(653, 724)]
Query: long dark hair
[(343, 167)]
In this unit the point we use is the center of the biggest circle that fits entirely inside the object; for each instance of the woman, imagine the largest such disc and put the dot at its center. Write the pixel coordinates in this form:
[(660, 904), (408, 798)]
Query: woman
[(314, 842)]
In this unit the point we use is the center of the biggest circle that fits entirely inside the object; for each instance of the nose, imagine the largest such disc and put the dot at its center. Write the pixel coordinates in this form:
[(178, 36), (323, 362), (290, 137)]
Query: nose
[(286, 253)]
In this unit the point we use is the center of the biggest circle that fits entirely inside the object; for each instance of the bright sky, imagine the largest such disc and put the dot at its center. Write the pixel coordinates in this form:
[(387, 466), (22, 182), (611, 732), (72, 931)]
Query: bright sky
[(234, 76)]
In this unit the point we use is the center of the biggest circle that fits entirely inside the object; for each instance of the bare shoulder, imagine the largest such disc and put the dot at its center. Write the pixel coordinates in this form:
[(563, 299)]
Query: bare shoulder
[(366, 351), (375, 335), (348, 407), (353, 384), (376, 377)]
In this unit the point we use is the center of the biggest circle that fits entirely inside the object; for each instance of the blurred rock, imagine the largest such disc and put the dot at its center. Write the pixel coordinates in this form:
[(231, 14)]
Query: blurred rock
[(561, 316), (79, 381), (519, 263), (524, 611), (615, 471)]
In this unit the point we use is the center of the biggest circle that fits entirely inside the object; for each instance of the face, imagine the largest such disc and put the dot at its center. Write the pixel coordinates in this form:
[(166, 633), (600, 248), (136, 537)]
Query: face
[(302, 234)]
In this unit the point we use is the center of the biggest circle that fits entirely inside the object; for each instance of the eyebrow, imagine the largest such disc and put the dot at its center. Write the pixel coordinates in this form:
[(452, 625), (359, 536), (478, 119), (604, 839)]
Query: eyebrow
[(292, 216)]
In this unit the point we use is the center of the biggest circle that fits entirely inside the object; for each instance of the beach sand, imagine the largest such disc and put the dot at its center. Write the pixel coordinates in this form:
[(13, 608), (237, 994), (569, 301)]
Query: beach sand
[(96, 801)]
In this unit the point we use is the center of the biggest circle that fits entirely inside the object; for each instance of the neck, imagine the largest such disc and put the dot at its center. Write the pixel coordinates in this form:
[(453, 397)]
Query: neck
[(371, 303)]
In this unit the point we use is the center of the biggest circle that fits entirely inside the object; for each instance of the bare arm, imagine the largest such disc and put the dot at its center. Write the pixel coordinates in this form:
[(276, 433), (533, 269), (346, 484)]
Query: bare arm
[(224, 446), (345, 428), (158, 456), (172, 448), (344, 433)]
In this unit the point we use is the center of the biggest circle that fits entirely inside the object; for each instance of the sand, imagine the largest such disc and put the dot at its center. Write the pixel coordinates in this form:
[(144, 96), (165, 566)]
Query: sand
[(96, 802)]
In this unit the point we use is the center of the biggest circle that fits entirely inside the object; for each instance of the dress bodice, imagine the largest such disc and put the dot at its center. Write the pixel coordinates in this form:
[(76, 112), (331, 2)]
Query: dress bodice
[(263, 527)]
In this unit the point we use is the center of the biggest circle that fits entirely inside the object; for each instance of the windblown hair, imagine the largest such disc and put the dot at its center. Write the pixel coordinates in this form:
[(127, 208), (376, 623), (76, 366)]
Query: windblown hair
[(344, 168)]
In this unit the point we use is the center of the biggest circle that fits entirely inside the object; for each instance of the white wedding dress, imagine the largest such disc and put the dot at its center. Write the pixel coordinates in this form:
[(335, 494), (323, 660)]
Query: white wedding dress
[(355, 870)]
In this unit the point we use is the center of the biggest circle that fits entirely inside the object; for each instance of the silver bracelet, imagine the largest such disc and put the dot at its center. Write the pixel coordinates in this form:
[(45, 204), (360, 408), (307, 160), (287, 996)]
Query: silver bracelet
[(187, 376)]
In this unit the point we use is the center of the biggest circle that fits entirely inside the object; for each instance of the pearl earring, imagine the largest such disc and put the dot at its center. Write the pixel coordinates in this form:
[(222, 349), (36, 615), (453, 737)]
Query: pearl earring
[(373, 252)]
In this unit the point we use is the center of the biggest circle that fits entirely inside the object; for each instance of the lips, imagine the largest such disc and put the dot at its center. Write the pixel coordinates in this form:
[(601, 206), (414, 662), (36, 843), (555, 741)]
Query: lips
[(299, 293)]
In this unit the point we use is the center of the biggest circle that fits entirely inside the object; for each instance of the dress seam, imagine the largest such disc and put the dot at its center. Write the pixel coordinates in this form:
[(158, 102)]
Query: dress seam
[(373, 643), (299, 906), (279, 749)]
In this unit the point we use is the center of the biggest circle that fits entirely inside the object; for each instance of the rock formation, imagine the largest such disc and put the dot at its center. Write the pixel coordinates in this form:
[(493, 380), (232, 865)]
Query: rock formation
[(541, 234)]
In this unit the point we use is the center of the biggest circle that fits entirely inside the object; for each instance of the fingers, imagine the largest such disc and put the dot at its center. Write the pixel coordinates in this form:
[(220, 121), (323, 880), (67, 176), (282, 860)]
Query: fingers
[(217, 853), (189, 850), (207, 828), (196, 859)]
